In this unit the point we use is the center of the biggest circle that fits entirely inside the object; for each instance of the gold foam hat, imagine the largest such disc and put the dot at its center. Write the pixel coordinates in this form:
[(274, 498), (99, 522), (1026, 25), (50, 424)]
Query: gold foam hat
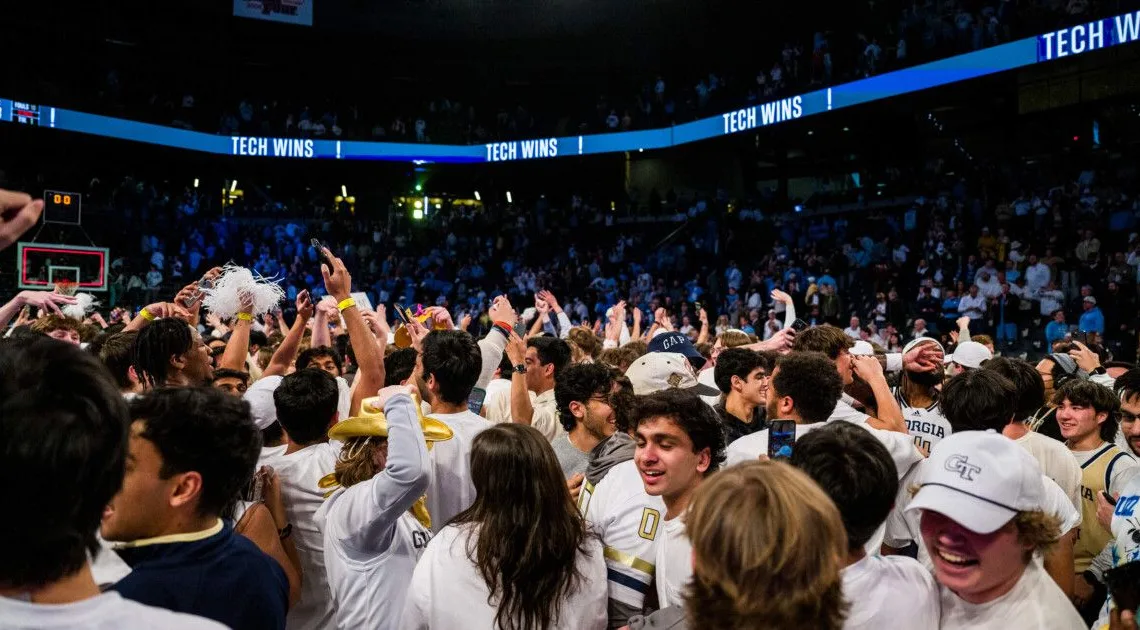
[(371, 422), (403, 339)]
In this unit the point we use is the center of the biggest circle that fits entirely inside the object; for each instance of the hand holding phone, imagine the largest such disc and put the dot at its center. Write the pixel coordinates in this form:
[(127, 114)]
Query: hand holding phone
[(322, 253), (781, 439)]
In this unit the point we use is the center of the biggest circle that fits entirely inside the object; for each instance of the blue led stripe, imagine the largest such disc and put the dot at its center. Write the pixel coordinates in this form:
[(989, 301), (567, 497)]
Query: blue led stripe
[(1061, 43)]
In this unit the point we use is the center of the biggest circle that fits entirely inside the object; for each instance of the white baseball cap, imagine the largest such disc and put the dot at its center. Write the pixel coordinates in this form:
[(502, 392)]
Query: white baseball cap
[(658, 371), (969, 354), (862, 349), (260, 399), (980, 479), (917, 341)]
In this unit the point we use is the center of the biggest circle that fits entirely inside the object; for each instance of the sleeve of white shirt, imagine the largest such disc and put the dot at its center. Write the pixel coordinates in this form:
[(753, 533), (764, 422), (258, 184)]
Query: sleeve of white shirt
[(365, 518), (900, 531), (1058, 504), (564, 325), (894, 362), (1124, 471), (491, 347)]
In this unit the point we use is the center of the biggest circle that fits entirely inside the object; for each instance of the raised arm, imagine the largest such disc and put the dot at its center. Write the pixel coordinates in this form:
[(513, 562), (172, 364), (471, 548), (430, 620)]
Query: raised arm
[(703, 336), (889, 414), (237, 348), (287, 352), (370, 366), (365, 517), (504, 317), (522, 410), (46, 300)]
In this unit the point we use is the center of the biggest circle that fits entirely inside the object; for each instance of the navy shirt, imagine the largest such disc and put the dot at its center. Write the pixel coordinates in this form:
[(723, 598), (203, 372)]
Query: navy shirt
[(224, 577)]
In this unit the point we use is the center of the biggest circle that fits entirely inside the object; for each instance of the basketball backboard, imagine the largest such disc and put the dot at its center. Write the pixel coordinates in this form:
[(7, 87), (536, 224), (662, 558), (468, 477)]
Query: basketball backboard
[(42, 265)]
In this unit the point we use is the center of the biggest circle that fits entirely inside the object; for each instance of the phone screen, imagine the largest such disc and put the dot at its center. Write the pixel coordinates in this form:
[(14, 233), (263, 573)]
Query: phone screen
[(475, 400), (781, 439)]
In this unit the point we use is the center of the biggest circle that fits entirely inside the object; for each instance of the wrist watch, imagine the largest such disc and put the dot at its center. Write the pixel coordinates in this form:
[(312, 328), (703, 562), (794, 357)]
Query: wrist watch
[(1098, 370), (285, 532), (520, 368)]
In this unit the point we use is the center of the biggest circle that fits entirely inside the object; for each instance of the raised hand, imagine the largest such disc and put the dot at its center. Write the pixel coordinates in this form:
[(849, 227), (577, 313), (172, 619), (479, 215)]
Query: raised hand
[(18, 213), (47, 300)]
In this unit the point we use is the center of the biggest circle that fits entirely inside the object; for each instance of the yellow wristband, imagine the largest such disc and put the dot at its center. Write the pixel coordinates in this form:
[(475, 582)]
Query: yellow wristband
[(145, 314), (345, 303), (245, 317)]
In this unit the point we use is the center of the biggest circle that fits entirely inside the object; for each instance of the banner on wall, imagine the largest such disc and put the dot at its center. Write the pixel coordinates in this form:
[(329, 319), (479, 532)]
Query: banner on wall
[(288, 11)]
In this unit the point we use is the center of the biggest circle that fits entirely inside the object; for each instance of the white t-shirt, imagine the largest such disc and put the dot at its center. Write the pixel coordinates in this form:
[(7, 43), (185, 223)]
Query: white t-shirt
[(451, 490), (108, 611), (497, 402), (628, 521), (890, 591), (1035, 602), (846, 412), (903, 527), (674, 562), (447, 591), (1056, 462), (300, 474)]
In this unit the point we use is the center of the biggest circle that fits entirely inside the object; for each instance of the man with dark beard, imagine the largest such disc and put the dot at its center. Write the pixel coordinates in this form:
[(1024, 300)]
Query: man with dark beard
[(917, 394)]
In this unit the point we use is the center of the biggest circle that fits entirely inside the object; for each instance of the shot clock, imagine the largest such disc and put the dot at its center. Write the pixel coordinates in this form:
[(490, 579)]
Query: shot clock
[(62, 207)]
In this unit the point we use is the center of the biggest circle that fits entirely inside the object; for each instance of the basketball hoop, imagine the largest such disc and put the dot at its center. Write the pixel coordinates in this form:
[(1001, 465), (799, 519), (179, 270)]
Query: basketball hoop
[(66, 287)]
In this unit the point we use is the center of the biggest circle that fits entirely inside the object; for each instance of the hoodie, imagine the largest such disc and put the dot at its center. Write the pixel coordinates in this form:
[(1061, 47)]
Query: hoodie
[(608, 453)]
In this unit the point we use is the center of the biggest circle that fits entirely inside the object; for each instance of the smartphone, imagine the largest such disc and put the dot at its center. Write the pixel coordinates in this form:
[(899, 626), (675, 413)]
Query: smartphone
[(203, 286), (800, 325), (781, 439), (1082, 337), (400, 313), (475, 400), (253, 490), (317, 245), (1124, 585)]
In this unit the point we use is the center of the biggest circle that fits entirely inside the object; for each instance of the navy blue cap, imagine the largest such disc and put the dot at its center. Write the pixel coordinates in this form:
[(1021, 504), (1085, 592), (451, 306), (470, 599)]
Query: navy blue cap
[(680, 344)]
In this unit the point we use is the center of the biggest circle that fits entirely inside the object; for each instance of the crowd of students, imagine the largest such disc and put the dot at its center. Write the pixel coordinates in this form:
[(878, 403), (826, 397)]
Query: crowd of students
[(180, 471)]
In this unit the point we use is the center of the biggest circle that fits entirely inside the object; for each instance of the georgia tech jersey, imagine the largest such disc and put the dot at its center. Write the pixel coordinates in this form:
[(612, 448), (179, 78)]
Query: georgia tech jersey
[(627, 520), (926, 425)]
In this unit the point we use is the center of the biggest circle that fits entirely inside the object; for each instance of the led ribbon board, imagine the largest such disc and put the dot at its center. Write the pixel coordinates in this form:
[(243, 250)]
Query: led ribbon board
[(1066, 42)]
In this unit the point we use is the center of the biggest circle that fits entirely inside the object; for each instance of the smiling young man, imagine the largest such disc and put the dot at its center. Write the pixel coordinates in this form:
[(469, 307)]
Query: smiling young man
[(981, 507), (742, 376), (680, 442), (1127, 388), (583, 396), (1086, 414)]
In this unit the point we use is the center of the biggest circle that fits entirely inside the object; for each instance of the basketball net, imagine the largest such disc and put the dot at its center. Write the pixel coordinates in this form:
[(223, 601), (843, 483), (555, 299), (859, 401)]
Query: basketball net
[(66, 287)]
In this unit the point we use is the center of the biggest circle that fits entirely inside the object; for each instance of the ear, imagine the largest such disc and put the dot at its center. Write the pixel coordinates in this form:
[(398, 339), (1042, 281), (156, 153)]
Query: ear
[(577, 409), (736, 383), (178, 361), (786, 406), (187, 489), (1101, 417), (548, 370), (133, 376), (704, 460)]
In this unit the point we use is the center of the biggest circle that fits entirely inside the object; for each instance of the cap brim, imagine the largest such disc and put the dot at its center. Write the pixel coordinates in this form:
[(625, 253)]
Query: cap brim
[(701, 389), (972, 512)]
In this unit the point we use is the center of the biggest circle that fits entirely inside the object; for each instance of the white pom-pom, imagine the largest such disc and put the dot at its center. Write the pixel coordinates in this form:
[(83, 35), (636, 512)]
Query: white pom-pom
[(224, 299), (84, 304)]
